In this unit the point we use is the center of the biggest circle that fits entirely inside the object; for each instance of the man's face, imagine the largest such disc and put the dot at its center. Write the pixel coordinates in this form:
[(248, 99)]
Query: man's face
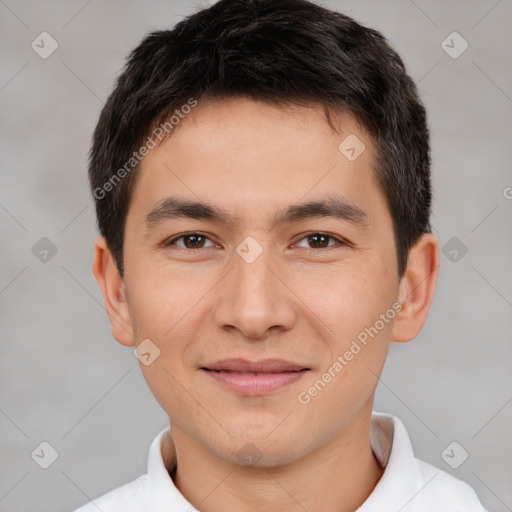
[(299, 289)]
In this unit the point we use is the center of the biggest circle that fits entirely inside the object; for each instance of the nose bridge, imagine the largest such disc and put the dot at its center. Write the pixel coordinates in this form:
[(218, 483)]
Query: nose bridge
[(253, 276), (255, 299)]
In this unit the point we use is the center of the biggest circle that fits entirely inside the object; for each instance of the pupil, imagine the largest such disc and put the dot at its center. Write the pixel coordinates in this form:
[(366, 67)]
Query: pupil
[(316, 244), (194, 243), (194, 240)]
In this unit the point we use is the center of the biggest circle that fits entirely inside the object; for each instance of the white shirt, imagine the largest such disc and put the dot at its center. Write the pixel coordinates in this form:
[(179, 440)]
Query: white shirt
[(407, 484)]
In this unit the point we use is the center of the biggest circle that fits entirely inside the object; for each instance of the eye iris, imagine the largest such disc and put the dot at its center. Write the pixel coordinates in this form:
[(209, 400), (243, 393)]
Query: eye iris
[(194, 245), (318, 244)]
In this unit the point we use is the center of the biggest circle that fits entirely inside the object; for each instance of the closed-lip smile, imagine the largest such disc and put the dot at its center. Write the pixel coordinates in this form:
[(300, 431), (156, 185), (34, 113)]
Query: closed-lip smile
[(254, 378)]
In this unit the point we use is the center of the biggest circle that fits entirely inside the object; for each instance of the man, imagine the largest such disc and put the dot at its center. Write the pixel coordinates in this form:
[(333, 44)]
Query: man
[(262, 184)]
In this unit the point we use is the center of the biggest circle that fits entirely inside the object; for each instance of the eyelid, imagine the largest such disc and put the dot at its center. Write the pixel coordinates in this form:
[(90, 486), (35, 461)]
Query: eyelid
[(172, 241), (340, 240)]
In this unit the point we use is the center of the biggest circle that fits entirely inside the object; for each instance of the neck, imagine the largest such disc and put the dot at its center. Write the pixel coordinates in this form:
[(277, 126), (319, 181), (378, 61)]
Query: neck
[(337, 477)]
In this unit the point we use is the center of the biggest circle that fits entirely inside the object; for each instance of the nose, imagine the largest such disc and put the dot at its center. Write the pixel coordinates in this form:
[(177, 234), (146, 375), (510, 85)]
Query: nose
[(254, 298)]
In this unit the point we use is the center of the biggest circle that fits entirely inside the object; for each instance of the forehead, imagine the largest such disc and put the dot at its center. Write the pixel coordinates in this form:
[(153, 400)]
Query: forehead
[(253, 158)]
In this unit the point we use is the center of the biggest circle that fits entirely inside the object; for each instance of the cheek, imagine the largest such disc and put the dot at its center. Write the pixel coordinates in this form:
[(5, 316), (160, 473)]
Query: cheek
[(165, 308), (353, 360), (362, 316), (345, 300), (161, 301), (160, 310)]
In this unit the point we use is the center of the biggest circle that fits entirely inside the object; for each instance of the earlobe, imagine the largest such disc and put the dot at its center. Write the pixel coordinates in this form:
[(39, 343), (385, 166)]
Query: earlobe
[(112, 288), (417, 287)]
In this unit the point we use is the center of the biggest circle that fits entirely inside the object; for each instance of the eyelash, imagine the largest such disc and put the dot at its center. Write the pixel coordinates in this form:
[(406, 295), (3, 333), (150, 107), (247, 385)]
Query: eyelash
[(341, 242)]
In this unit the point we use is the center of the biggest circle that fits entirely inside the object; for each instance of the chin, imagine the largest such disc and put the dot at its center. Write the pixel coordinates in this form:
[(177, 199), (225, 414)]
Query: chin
[(258, 455), (259, 448)]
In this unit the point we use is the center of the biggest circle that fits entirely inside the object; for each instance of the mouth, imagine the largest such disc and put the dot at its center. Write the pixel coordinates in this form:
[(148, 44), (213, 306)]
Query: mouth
[(254, 378)]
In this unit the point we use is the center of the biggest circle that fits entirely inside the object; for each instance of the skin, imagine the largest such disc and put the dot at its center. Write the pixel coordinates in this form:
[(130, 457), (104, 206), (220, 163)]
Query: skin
[(297, 301)]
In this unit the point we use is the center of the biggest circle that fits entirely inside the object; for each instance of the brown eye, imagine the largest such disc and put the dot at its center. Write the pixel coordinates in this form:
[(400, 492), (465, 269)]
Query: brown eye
[(319, 240), (190, 241), (194, 241)]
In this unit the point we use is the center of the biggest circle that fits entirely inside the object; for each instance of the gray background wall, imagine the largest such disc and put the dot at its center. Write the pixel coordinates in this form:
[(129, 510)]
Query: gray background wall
[(64, 380)]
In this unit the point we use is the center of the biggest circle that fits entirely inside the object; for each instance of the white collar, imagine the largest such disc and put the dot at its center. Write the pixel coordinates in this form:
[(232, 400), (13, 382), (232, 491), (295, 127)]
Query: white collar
[(390, 444)]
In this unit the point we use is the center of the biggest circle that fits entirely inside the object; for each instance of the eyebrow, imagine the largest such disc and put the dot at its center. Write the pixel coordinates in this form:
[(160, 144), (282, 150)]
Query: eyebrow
[(331, 206)]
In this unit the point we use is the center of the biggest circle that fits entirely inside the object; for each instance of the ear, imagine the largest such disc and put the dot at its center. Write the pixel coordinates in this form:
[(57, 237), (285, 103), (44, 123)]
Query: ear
[(417, 286), (113, 290)]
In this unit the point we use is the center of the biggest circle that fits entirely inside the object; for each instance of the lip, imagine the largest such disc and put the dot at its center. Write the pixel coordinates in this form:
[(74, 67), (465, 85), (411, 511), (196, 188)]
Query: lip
[(254, 378)]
